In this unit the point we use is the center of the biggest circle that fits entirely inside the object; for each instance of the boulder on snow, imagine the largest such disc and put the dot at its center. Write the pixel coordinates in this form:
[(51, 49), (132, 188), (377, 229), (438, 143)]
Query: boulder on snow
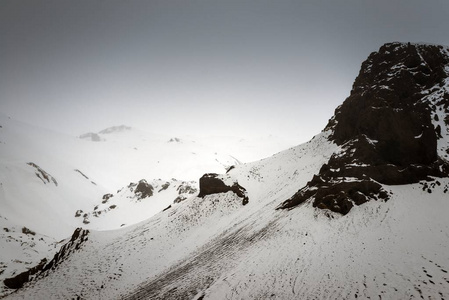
[(143, 189), (106, 197), (211, 183)]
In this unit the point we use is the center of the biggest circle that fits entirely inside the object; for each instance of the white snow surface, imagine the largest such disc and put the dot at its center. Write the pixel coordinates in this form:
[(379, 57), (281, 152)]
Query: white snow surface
[(84, 171), (216, 248), (212, 247), (46, 177)]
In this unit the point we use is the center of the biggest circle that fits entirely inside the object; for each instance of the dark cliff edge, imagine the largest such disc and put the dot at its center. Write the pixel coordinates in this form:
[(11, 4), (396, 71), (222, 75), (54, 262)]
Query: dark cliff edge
[(79, 236), (385, 129)]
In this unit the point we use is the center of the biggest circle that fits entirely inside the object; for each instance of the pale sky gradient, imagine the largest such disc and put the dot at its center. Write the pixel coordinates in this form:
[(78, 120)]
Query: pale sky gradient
[(196, 67)]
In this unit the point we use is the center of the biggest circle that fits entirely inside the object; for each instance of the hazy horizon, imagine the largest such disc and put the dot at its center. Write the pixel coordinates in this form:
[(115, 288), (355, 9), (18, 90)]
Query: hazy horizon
[(229, 68)]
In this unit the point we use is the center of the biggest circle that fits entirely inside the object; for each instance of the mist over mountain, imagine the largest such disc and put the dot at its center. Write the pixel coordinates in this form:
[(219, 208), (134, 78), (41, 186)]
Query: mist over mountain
[(359, 211)]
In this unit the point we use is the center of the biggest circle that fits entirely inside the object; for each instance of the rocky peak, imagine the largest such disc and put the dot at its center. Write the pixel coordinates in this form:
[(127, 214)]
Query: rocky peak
[(386, 102), (386, 128), (387, 109), (399, 72)]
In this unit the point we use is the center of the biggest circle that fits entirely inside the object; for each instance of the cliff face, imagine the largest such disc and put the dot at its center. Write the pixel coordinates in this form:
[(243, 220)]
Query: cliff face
[(387, 128), (386, 103)]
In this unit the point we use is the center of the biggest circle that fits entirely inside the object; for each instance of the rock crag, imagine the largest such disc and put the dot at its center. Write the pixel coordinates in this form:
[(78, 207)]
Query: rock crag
[(385, 128)]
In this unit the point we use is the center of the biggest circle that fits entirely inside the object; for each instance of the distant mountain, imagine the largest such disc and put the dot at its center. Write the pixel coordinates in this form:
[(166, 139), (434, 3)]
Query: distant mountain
[(358, 212), (115, 129), (100, 136), (91, 136)]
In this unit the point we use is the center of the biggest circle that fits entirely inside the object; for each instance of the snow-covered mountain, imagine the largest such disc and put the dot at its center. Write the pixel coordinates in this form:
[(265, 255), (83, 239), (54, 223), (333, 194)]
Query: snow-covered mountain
[(51, 183), (360, 211)]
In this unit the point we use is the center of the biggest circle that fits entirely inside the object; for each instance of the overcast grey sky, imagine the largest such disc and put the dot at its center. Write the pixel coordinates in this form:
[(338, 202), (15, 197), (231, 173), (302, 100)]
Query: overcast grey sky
[(201, 67)]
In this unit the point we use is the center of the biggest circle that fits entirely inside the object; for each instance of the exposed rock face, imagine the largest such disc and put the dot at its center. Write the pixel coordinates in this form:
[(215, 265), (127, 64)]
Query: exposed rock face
[(42, 175), (143, 189), (77, 239), (213, 183), (19, 280), (106, 197), (186, 188), (385, 105), (385, 128), (137, 192)]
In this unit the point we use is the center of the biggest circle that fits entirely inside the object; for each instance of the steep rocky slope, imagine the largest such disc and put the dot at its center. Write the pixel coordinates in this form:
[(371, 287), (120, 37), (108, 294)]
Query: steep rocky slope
[(388, 127), (360, 211)]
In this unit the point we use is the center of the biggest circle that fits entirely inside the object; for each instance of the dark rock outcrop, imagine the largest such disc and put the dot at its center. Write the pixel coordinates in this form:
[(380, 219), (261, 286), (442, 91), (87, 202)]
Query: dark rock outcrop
[(19, 280), (106, 197), (143, 189), (42, 175), (79, 236), (82, 174), (384, 128), (385, 105), (186, 188), (212, 184), (164, 187)]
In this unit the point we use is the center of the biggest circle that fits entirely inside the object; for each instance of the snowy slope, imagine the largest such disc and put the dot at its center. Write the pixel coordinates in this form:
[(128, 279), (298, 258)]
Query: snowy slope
[(176, 233), (129, 154), (128, 206), (47, 177), (22, 248), (82, 171), (219, 247), (28, 155)]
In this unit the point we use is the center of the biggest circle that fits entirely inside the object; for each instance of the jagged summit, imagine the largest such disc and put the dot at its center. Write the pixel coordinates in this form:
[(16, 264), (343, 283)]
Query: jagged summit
[(397, 77), (389, 128)]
